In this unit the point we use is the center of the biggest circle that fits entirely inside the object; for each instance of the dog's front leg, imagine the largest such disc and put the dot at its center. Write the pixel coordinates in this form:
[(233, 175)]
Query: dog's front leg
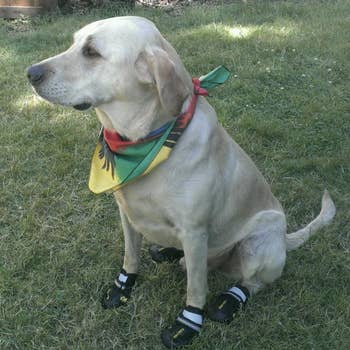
[(188, 324), (119, 293), (132, 241), (196, 257)]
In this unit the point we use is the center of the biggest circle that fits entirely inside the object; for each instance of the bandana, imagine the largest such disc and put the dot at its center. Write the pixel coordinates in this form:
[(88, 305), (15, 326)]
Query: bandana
[(117, 161)]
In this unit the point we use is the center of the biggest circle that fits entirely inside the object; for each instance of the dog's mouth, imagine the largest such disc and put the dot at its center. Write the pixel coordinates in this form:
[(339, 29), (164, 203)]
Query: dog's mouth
[(82, 106)]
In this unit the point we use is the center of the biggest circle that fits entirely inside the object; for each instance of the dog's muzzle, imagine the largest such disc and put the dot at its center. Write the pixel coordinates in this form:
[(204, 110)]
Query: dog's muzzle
[(37, 73)]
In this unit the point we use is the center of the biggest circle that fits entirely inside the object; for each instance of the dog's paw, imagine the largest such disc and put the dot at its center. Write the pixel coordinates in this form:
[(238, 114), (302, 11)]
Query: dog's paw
[(224, 307), (114, 297), (119, 292), (186, 327), (169, 254)]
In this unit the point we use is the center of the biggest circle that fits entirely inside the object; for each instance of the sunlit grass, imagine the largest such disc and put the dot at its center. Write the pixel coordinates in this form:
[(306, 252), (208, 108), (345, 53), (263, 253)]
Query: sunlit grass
[(241, 32), (287, 104), (28, 101)]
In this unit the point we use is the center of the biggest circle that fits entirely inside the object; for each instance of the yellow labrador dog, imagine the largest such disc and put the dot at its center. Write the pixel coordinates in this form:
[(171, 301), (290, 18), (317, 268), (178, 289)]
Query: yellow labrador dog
[(207, 199)]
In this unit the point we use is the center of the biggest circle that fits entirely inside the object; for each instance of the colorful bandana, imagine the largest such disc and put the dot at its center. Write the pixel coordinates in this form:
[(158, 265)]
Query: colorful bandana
[(116, 161)]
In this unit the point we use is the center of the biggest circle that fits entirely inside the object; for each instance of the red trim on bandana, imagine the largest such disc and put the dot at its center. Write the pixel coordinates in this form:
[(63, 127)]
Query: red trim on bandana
[(116, 143)]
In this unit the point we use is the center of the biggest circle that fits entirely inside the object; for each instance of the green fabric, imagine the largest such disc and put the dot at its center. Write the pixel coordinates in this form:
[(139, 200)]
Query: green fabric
[(133, 161), (214, 78)]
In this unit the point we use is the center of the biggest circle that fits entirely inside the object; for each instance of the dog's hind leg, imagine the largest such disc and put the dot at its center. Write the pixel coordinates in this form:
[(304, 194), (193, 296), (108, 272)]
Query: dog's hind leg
[(257, 260)]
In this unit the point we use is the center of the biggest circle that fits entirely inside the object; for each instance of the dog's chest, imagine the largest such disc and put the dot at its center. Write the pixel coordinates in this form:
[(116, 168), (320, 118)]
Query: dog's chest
[(151, 215)]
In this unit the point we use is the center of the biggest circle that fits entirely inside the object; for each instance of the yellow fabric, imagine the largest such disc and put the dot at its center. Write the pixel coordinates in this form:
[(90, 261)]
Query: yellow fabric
[(163, 155), (101, 181)]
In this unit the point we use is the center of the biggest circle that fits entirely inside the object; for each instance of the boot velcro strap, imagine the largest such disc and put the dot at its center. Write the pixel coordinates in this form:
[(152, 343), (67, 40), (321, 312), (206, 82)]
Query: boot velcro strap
[(240, 293), (125, 280), (186, 322), (191, 317)]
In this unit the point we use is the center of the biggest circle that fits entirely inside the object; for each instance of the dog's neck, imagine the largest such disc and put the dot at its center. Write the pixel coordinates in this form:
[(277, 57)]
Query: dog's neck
[(133, 121)]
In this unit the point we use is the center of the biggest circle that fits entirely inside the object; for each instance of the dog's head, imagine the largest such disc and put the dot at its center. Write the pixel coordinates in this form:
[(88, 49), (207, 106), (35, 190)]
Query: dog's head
[(119, 59)]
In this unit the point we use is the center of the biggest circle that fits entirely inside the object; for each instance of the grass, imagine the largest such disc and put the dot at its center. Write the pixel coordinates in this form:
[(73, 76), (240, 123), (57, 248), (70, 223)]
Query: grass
[(287, 105)]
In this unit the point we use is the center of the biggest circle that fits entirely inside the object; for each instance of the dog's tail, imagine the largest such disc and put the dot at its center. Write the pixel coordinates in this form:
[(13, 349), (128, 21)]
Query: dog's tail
[(296, 239)]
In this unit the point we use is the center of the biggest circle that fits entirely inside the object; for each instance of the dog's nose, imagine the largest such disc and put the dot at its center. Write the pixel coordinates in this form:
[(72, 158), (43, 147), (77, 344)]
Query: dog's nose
[(36, 74)]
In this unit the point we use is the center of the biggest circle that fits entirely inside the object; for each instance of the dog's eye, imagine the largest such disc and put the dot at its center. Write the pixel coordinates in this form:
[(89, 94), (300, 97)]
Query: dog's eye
[(89, 51)]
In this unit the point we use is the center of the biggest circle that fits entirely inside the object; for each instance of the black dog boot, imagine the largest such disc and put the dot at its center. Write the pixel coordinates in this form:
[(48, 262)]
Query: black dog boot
[(225, 305), (119, 292), (160, 255), (187, 326)]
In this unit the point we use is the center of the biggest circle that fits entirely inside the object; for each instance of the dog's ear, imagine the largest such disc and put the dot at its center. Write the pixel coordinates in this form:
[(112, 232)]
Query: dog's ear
[(154, 66)]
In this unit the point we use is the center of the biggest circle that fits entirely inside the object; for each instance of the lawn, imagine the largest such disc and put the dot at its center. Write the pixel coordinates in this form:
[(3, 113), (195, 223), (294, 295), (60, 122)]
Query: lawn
[(287, 104)]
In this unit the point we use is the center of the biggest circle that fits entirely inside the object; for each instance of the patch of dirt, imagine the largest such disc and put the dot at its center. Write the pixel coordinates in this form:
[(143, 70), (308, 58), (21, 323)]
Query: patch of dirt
[(166, 3), (176, 7)]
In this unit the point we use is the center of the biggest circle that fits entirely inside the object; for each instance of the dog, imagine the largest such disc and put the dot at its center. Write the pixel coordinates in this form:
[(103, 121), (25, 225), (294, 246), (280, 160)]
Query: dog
[(206, 199)]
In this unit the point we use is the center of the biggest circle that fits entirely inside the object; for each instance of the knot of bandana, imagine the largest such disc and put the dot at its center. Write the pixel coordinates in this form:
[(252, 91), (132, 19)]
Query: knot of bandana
[(197, 89)]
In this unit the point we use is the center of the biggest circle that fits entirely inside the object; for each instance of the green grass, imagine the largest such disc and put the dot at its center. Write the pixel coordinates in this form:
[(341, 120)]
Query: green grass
[(287, 105)]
